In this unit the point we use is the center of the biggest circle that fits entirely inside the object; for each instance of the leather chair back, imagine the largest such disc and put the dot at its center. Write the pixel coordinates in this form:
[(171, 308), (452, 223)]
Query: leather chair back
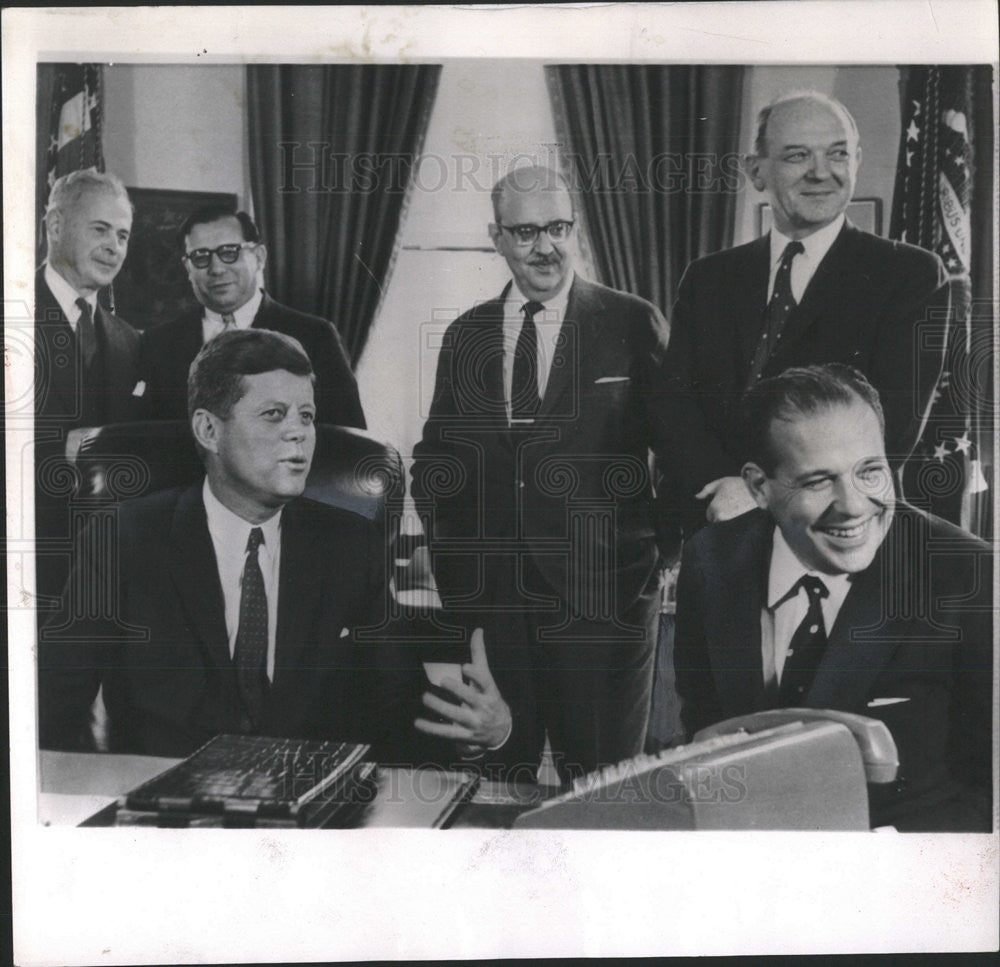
[(350, 468)]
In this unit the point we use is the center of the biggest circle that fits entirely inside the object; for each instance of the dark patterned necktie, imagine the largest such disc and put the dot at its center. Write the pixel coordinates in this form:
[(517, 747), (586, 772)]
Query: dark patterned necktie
[(805, 650), (524, 398), (251, 638), (85, 334), (777, 312)]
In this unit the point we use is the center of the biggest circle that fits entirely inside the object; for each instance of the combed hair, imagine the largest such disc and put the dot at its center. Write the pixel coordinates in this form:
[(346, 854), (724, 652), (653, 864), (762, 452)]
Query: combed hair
[(213, 213), (764, 115), (799, 391), (526, 178), (67, 190), (215, 379)]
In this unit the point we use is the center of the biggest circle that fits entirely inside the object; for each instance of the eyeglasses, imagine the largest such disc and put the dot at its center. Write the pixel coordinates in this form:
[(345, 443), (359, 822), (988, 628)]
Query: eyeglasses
[(201, 258), (557, 231)]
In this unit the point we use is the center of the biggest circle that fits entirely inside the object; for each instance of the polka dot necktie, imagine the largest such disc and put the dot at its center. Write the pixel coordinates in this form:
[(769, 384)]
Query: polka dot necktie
[(777, 312), (805, 650), (228, 321), (524, 398), (251, 638)]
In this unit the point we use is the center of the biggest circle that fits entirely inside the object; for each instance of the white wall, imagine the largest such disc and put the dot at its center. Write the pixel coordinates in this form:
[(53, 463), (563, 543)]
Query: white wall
[(869, 93), (179, 127)]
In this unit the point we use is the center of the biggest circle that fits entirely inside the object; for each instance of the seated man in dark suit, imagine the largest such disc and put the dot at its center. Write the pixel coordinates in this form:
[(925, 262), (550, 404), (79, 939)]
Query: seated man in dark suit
[(238, 598), (833, 594), (815, 289), (224, 257), (86, 358)]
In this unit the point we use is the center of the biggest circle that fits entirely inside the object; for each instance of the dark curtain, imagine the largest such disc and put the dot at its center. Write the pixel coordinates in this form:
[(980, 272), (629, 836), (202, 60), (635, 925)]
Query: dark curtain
[(943, 201), (331, 153), (653, 151)]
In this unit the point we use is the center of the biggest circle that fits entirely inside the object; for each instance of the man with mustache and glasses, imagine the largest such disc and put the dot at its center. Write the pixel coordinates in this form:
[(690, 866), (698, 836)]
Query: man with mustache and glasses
[(833, 594), (235, 599), (532, 481), (815, 289), (224, 257)]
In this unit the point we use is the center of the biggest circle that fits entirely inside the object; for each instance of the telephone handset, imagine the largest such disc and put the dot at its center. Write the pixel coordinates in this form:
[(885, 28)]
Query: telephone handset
[(878, 748)]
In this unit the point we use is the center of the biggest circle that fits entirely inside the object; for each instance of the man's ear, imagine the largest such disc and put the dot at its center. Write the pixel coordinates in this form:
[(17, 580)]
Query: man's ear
[(261, 252), (495, 233), (205, 427), (756, 481), (753, 166)]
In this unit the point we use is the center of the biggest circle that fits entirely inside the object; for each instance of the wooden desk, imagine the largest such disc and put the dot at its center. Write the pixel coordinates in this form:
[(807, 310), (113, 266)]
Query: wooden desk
[(75, 786)]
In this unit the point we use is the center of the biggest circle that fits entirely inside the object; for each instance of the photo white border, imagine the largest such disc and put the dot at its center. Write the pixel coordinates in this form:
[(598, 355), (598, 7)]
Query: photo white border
[(142, 896)]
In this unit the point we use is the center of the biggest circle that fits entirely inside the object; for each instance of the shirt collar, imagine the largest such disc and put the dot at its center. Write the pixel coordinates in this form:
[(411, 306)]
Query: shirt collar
[(786, 569), (557, 303), (66, 295), (233, 530), (244, 315), (815, 245)]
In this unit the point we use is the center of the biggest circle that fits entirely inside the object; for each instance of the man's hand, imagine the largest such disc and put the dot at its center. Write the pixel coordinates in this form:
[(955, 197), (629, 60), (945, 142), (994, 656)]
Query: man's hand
[(730, 498), (482, 720)]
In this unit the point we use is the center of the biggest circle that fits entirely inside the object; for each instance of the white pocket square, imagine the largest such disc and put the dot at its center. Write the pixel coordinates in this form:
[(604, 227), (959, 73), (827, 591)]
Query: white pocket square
[(140, 388), (613, 379), (344, 632), (876, 702)]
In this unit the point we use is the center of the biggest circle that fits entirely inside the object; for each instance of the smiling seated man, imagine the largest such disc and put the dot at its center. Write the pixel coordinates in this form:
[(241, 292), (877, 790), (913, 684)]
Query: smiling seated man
[(834, 594), (238, 597)]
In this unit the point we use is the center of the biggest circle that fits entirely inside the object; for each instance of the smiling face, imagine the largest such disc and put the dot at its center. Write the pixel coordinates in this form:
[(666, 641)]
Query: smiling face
[(88, 242), (221, 287), (831, 490), (810, 167), (542, 267), (259, 457)]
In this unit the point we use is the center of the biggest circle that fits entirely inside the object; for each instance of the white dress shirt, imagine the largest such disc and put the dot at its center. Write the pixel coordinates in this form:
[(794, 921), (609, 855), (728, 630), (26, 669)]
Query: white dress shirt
[(230, 534), (66, 296), (212, 324), (548, 322), (780, 618), (804, 264)]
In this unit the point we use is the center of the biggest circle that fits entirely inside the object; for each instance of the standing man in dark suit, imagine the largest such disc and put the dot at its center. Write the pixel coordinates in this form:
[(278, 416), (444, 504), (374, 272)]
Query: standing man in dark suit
[(532, 476), (814, 290), (237, 598), (835, 595), (86, 358), (225, 257)]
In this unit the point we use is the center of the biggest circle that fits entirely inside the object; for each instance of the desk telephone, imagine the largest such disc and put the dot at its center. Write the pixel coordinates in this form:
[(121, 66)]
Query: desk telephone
[(784, 769)]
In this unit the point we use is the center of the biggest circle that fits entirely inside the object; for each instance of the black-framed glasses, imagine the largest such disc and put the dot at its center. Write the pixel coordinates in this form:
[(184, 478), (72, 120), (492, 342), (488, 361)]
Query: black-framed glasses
[(557, 231), (201, 258)]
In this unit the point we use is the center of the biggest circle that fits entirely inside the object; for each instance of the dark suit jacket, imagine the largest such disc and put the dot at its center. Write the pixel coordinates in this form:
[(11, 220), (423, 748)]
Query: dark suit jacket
[(168, 351), (66, 398), (575, 486), (862, 307), (161, 651), (916, 625)]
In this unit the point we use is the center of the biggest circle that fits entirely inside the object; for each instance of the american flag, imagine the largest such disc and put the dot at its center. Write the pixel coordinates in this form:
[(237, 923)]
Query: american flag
[(932, 208), (75, 122)]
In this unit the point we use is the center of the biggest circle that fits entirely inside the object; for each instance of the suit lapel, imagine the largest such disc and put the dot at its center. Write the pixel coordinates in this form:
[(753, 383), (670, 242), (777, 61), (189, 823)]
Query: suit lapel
[(749, 298), (299, 593), (582, 326), (52, 329), (734, 632), (861, 642), (195, 573)]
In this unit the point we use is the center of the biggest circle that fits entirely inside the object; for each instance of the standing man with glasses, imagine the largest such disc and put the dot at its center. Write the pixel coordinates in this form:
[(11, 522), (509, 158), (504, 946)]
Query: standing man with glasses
[(532, 481), (815, 289), (225, 257)]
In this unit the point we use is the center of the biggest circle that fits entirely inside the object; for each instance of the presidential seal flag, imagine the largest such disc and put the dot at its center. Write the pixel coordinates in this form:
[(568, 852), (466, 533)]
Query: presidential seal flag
[(933, 208)]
